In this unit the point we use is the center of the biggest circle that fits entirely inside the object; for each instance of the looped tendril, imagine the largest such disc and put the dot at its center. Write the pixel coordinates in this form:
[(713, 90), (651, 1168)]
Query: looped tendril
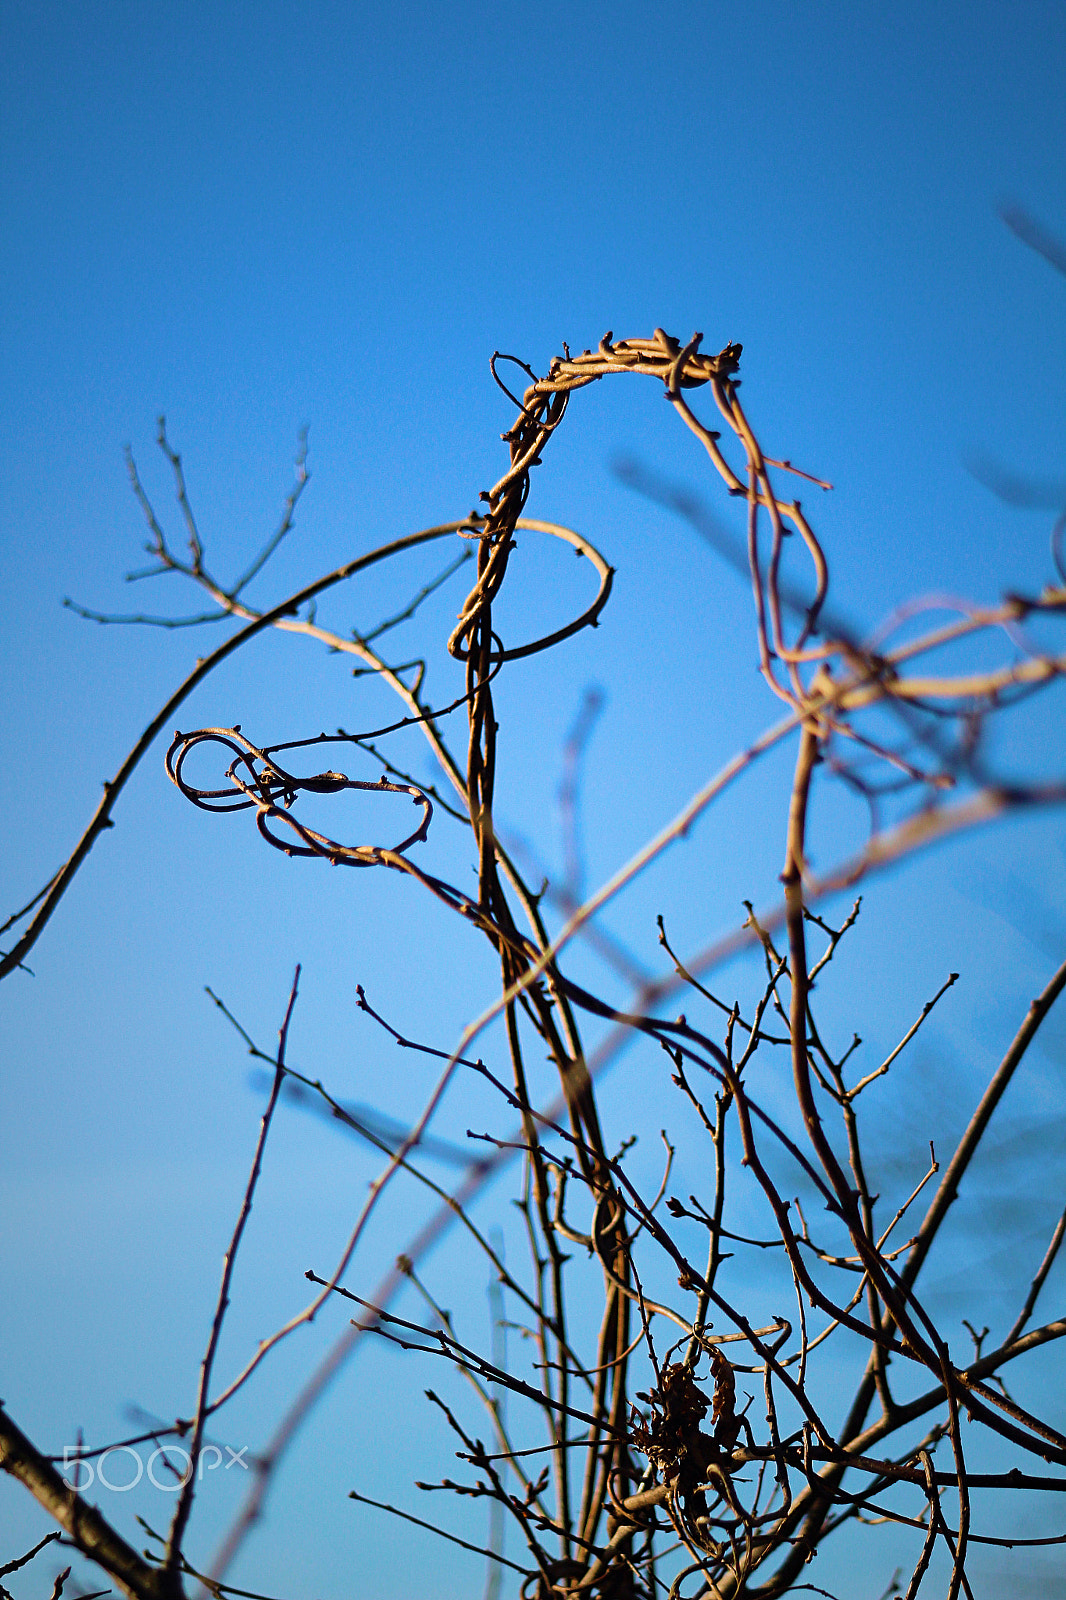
[(589, 618), (263, 783)]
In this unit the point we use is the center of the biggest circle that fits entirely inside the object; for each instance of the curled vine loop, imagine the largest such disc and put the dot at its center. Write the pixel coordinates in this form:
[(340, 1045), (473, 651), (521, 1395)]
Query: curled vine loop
[(263, 783)]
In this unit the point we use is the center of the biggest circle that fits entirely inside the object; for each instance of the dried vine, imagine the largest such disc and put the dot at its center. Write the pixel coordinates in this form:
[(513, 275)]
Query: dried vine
[(639, 1496)]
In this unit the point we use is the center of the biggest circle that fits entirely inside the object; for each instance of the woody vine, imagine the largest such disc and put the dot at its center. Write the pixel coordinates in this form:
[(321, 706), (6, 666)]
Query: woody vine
[(692, 1448)]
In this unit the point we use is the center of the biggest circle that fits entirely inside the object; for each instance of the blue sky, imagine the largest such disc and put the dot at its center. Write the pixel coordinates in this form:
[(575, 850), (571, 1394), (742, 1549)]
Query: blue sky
[(330, 216)]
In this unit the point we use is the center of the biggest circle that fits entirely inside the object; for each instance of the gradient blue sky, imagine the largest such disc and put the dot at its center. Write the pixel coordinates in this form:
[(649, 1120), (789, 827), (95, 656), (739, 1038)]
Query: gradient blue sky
[(257, 219)]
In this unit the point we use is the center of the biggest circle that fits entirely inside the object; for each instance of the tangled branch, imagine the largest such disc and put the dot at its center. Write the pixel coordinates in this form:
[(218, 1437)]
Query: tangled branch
[(639, 1493)]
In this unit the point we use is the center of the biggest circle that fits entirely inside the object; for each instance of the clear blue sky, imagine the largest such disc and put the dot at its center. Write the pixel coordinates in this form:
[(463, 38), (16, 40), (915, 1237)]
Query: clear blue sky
[(256, 219)]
